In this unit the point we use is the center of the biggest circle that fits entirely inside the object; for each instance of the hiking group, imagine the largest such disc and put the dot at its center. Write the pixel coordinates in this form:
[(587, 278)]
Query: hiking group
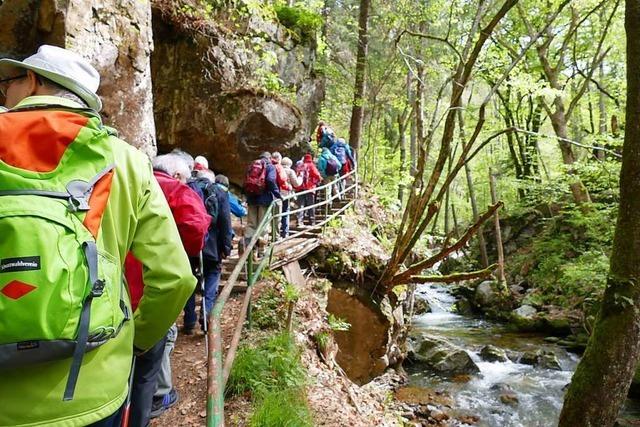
[(274, 178), (81, 209)]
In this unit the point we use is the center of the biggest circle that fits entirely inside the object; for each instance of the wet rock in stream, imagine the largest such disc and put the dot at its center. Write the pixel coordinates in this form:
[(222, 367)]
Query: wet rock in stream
[(421, 306), (542, 359), (509, 399), (442, 357), (486, 294), (491, 353), (525, 318)]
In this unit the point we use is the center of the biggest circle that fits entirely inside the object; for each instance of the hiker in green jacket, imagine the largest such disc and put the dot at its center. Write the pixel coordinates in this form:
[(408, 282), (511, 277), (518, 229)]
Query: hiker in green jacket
[(75, 200)]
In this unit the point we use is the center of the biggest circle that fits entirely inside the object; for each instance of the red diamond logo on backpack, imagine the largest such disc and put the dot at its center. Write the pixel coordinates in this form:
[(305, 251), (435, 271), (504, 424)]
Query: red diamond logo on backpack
[(17, 289)]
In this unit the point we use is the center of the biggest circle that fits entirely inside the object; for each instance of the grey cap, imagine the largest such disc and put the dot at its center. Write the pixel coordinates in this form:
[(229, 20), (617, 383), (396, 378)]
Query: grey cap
[(222, 179)]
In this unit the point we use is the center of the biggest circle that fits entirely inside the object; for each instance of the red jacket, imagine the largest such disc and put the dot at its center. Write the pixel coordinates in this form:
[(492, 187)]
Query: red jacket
[(191, 218), (313, 177)]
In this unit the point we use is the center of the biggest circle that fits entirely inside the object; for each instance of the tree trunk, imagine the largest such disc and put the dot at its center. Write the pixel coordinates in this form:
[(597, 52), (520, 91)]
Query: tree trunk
[(601, 381), (484, 258), (559, 122), (602, 109), (402, 143), (357, 112), (496, 221)]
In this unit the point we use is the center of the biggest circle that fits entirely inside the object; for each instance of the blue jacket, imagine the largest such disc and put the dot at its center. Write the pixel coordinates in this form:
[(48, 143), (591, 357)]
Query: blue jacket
[(236, 207), (347, 150), (323, 159), (271, 193), (219, 241)]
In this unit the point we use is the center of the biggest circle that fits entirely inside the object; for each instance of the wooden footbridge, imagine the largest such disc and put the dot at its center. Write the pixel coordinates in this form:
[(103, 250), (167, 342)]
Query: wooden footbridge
[(243, 268)]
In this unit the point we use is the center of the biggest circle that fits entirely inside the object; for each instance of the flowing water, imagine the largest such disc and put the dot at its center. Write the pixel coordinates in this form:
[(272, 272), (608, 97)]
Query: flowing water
[(539, 391)]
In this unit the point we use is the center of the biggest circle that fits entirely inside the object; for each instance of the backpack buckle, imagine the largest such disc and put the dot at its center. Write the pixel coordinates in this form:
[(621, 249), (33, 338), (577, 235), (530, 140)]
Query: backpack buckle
[(98, 288), (78, 192), (78, 204)]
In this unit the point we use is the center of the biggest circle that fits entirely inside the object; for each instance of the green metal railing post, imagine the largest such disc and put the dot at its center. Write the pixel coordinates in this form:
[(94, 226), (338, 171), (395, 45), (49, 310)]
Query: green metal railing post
[(217, 371), (327, 203), (274, 223), (250, 281)]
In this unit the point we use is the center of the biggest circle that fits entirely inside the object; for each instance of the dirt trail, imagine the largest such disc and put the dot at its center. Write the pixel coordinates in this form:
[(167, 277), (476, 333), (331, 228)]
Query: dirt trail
[(189, 366)]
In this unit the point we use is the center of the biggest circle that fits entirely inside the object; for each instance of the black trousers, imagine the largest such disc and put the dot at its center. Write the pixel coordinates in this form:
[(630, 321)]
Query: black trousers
[(145, 377)]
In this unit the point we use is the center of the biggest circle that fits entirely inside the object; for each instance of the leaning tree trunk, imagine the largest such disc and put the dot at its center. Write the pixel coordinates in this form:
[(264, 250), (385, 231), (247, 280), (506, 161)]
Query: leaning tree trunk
[(357, 112), (601, 381)]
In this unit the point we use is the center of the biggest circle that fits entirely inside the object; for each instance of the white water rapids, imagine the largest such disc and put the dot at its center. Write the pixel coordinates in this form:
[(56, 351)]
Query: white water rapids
[(539, 391)]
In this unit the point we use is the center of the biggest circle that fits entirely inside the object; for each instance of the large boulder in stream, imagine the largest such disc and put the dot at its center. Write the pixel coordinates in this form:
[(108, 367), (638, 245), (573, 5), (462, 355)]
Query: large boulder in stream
[(486, 294), (421, 306), (544, 359), (491, 353), (526, 318), (442, 357)]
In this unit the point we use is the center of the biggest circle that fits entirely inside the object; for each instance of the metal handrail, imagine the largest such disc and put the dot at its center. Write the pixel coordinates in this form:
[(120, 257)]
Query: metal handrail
[(293, 195), (217, 371)]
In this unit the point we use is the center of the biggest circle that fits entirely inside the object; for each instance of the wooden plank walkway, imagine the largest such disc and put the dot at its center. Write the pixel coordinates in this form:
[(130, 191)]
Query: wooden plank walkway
[(285, 250)]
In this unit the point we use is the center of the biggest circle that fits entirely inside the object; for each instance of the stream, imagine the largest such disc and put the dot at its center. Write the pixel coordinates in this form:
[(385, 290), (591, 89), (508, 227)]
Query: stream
[(539, 391)]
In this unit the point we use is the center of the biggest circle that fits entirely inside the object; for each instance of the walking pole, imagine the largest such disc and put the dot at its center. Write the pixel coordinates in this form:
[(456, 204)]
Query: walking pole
[(204, 314), (124, 422)]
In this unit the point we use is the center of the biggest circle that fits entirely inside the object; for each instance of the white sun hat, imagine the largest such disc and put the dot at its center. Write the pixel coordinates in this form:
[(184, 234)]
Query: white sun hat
[(201, 160), (64, 67)]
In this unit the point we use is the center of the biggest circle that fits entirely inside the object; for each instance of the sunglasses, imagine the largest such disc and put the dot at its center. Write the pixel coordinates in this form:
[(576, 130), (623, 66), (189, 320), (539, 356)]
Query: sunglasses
[(4, 83)]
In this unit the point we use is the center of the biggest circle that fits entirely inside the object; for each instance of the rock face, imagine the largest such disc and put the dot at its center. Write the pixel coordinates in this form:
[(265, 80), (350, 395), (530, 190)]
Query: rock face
[(364, 348), (442, 357), (114, 35), (205, 96)]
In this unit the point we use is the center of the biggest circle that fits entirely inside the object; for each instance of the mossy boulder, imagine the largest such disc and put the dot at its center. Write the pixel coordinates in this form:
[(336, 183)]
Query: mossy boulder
[(487, 294), (526, 318), (442, 357), (491, 353)]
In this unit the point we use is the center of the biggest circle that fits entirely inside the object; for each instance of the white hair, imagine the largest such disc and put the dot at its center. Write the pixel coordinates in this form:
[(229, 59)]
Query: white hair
[(286, 162), (276, 156), (188, 158), (172, 164), (206, 174)]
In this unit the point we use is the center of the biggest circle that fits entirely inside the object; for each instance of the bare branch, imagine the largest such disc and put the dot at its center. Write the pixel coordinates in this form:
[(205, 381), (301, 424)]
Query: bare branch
[(597, 59), (429, 262), (430, 37)]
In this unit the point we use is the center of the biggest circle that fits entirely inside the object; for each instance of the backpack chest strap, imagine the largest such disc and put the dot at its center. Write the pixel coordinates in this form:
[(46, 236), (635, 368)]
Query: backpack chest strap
[(78, 191)]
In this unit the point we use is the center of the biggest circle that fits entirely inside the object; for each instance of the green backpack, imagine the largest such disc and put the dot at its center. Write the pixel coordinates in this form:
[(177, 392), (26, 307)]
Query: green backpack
[(63, 295)]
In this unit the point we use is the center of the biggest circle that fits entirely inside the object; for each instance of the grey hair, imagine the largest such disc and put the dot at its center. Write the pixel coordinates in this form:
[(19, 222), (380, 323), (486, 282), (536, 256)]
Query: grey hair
[(276, 156), (171, 164), (188, 158), (223, 180), (206, 174), (286, 162), (61, 92)]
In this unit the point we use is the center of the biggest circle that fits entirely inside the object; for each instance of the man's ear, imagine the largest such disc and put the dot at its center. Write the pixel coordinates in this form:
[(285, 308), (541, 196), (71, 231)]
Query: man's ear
[(34, 82)]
